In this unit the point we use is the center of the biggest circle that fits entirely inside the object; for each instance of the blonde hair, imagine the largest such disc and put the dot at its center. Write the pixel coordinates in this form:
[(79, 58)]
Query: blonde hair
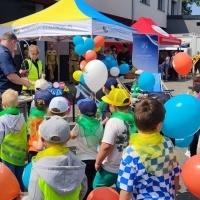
[(33, 47), (10, 98)]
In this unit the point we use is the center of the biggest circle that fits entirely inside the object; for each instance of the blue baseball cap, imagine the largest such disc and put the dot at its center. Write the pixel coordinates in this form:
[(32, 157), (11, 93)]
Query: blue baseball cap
[(45, 95), (110, 81), (87, 106)]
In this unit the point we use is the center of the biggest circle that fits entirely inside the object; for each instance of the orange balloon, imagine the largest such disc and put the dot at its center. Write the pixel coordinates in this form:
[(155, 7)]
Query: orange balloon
[(182, 63), (9, 186), (83, 63), (191, 174), (90, 55), (99, 41), (103, 193)]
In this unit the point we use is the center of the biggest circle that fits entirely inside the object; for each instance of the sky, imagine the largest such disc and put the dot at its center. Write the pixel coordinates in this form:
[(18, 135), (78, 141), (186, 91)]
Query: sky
[(195, 9)]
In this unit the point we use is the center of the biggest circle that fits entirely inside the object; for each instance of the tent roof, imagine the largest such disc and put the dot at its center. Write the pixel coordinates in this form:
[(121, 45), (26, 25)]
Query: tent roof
[(69, 17), (148, 26)]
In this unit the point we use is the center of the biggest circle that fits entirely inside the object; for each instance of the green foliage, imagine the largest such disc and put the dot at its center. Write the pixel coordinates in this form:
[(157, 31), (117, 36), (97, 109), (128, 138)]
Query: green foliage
[(186, 6)]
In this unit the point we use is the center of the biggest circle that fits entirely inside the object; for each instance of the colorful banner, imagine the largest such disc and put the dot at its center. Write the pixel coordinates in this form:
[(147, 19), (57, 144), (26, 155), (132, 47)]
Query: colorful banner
[(145, 52)]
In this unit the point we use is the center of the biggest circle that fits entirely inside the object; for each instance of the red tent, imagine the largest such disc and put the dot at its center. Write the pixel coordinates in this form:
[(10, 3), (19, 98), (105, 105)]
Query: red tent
[(148, 26)]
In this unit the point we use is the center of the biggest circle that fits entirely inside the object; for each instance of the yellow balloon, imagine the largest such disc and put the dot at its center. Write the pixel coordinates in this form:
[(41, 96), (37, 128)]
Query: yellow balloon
[(96, 49), (77, 75)]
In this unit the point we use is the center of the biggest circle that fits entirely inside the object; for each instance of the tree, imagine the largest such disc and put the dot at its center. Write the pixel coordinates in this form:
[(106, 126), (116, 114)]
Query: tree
[(186, 6)]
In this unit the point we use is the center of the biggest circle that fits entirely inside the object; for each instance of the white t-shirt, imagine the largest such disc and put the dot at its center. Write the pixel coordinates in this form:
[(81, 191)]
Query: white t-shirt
[(117, 134), (83, 151)]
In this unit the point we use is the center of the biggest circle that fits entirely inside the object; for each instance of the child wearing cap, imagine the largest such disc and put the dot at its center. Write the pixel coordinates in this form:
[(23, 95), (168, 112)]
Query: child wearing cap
[(103, 107), (56, 173), (149, 168), (40, 84), (116, 137), (13, 135), (59, 106), (89, 133), (42, 99)]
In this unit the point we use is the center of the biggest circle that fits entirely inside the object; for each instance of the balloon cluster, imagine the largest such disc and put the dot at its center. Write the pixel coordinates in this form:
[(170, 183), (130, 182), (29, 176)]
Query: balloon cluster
[(93, 69)]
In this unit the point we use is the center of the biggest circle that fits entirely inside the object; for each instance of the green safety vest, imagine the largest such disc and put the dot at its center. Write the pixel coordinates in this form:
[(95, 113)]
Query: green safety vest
[(50, 194), (13, 149), (33, 73)]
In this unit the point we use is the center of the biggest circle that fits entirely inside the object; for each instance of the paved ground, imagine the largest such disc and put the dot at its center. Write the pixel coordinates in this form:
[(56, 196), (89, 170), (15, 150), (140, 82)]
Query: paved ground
[(179, 87)]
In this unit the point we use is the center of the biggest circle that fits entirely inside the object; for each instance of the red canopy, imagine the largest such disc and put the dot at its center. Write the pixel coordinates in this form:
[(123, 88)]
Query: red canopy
[(148, 26)]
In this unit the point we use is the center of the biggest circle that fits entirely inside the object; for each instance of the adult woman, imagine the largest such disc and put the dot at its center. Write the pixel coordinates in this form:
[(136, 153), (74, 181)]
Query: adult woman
[(33, 66)]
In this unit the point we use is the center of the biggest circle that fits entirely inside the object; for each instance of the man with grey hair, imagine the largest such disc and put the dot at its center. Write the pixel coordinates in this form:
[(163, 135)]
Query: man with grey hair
[(9, 73)]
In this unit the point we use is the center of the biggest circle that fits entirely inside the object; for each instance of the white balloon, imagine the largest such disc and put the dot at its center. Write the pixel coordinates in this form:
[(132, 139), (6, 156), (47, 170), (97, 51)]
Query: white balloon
[(114, 71), (95, 75)]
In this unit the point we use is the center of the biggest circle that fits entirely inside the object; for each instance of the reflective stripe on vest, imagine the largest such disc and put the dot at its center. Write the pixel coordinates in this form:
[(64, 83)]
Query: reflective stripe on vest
[(14, 147), (33, 72), (50, 194)]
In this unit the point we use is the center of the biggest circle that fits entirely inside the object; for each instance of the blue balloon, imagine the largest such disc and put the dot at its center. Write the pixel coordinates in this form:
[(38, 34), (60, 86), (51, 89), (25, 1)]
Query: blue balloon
[(82, 80), (78, 40), (124, 68), (146, 81), (110, 57), (182, 116), (80, 49), (26, 175), (183, 142), (89, 44), (112, 63), (105, 62)]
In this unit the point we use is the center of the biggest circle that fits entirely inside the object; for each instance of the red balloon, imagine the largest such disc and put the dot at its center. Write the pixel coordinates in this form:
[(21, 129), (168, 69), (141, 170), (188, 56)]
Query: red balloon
[(103, 193), (9, 186), (182, 63), (191, 174)]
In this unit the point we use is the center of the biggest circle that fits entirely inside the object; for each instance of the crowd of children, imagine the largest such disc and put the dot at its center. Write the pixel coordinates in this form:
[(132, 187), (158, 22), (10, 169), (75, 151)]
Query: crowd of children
[(133, 154)]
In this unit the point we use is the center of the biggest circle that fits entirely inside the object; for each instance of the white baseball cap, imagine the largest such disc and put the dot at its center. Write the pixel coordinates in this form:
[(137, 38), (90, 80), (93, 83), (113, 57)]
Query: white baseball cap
[(59, 103)]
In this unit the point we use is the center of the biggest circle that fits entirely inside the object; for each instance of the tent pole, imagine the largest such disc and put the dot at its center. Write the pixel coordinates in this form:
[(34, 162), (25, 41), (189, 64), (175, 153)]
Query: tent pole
[(58, 50)]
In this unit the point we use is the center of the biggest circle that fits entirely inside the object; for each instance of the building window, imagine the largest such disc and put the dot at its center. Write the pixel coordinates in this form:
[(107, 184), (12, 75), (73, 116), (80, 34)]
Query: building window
[(147, 2), (161, 5)]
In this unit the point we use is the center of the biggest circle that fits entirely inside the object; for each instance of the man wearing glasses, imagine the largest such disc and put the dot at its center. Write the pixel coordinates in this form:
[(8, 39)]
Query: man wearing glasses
[(9, 74)]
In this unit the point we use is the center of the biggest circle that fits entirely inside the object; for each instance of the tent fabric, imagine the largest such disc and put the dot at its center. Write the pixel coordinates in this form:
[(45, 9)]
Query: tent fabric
[(148, 26), (64, 19)]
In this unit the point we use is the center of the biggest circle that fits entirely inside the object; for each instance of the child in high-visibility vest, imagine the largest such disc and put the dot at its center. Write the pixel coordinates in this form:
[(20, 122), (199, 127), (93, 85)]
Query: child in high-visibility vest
[(56, 173), (13, 135)]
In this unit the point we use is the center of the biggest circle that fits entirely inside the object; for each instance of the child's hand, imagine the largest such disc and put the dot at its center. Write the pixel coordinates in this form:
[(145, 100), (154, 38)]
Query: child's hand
[(97, 167)]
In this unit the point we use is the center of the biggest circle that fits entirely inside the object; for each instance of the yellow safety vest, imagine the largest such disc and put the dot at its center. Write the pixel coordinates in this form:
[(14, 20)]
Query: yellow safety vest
[(33, 73), (13, 149), (50, 194)]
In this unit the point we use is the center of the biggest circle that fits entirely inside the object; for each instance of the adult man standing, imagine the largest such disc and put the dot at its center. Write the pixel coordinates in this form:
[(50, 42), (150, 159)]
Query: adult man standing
[(73, 63), (124, 56), (9, 74), (51, 61)]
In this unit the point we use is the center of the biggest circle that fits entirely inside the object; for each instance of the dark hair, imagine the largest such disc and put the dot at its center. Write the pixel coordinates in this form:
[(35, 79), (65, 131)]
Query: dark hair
[(125, 45), (148, 114), (113, 47), (9, 36)]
